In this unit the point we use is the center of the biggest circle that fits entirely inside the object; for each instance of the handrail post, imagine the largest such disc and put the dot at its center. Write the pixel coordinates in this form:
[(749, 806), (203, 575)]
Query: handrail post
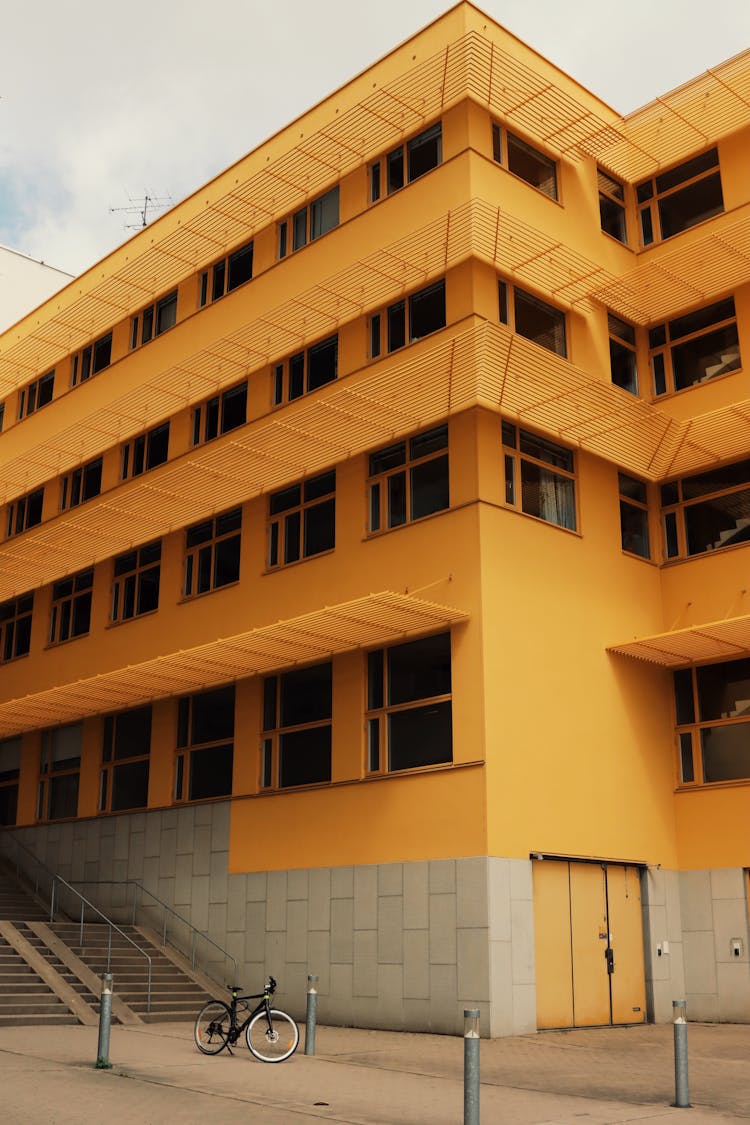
[(81, 930), (164, 928), (109, 947), (148, 994)]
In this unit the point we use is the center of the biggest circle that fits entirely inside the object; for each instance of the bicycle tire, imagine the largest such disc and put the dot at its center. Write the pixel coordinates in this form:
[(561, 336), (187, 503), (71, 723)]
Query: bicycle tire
[(212, 1027), (277, 1044)]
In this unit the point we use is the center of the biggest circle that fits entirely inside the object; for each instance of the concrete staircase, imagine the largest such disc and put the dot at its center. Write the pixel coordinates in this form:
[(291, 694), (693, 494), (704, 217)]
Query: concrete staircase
[(47, 975), (177, 993)]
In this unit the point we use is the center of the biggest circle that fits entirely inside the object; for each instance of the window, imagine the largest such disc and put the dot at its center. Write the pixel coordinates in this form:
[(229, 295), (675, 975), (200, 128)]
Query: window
[(25, 512), (220, 414), (302, 520), (532, 318), (409, 705), (36, 395), (409, 480), (226, 275), (612, 206), (135, 589), (296, 743), (91, 359), (145, 452), (2, 415), (712, 710), (71, 607), (408, 320), (622, 354), (539, 477), (408, 162), (634, 516), (706, 512), (59, 769), (81, 485), (694, 348), (15, 627), (678, 199), (522, 160), (305, 371), (125, 756), (309, 223), (205, 742), (10, 771), (212, 555), (154, 320)]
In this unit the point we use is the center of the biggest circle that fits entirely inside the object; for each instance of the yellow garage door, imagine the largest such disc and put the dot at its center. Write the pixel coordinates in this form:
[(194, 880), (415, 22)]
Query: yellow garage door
[(589, 944)]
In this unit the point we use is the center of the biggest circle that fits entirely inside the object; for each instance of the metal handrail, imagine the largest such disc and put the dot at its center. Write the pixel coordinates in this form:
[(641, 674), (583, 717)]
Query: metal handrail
[(195, 933), (55, 879), (112, 926)]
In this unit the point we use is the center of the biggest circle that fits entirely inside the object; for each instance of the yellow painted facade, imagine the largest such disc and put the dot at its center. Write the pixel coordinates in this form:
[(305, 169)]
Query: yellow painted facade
[(452, 193)]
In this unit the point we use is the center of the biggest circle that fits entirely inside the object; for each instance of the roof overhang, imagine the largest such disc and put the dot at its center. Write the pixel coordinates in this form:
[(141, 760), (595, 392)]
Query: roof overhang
[(376, 619), (716, 640)]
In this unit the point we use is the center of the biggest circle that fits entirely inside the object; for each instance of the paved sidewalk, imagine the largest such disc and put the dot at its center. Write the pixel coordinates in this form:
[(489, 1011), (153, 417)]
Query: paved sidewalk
[(596, 1077)]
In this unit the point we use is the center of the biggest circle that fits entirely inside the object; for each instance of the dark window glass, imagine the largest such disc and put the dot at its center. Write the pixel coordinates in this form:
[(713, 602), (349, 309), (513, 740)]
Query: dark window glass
[(726, 753), (322, 363), (305, 756), (130, 786), (396, 326), (102, 353), (212, 716), (166, 313), (427, 311), (63, 796), (724, 691), (395, 169), (234, 408), (539, 322), (420, 736), (306, 695), (683, 696), (324, 213), (532, 166), (429, 487), (419, 669), (240, 267), (210, 772), (319, 527), (424, 152), (623, 366)]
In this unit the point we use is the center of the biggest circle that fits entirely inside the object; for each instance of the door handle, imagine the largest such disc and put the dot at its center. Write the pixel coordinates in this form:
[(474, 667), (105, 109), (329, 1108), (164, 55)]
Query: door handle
[(609, 954)]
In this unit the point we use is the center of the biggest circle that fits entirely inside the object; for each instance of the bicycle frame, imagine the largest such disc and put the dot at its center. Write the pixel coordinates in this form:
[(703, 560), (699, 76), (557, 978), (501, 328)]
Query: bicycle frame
[(236, 1028)]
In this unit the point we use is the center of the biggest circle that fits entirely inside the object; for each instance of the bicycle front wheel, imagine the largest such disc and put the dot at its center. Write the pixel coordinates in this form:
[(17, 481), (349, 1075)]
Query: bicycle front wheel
[(212, 1027), (273, 1036)]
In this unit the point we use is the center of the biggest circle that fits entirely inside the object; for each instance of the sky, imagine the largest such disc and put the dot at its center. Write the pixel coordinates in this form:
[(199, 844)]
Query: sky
[(103, 104)]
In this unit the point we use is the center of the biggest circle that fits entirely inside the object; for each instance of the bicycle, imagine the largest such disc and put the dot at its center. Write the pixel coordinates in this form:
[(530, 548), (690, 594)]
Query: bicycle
[(271, 1035)]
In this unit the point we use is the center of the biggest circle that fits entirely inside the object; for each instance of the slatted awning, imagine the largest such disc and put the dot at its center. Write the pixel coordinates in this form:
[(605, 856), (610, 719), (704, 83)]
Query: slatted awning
[(375, 619), (484, 365), (476, 228), (665, 284), (716, 640), (681, 122)]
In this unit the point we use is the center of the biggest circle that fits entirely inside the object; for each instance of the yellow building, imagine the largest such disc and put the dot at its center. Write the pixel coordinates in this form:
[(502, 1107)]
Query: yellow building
[(374, 574)]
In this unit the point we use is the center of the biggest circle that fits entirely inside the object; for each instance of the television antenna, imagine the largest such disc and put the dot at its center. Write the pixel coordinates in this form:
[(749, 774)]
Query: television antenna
[(141, 207)]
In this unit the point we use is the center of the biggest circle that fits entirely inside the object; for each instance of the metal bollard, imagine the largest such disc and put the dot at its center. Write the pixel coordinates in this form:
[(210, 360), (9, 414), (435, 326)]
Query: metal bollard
[(681, 1091), (105, 1019), (471, 1066), (312, 1013)]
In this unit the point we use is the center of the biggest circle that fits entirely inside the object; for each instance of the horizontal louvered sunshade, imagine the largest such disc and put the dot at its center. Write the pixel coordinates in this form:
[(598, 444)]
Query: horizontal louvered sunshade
[(257, 190), (484, 366), (373, 620), (717, 640)]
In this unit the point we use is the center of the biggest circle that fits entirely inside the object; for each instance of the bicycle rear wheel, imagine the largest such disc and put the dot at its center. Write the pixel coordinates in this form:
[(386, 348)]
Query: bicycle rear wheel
[(272, 1043), (212, 1027)]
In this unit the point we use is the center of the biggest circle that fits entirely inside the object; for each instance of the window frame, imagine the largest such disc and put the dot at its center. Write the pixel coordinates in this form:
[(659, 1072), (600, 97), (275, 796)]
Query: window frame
[(144, 452), (92, 359), (514, 459), (81, 485), (211, 418), (508, 295), (633, 497), (113, 765), (9, 782), (294, 376), (24, 513), (274, 730), (70, 596), (305, 226), (300, 511), (36, 394), (216, 281), (404, 459), (691, 729), (380, 708), (147, 324), (128, 584), (187, 746), (216, 541), (49, 775), (16, 616), (506, 144), (612, 200), (382, 173), (663, 343), (623, 339), (675, 506), (652, 192), (392, 328)]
